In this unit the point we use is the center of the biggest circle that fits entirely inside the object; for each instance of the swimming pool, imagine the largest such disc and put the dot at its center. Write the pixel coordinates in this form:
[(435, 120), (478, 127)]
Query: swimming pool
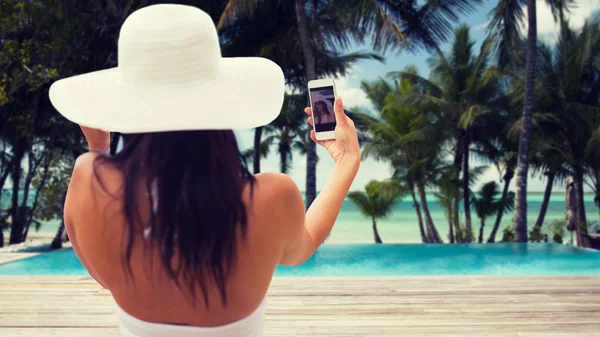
[(389, 260)]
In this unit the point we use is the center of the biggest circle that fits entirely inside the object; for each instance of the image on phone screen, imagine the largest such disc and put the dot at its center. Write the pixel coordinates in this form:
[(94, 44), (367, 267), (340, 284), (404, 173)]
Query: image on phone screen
[(322, 100)]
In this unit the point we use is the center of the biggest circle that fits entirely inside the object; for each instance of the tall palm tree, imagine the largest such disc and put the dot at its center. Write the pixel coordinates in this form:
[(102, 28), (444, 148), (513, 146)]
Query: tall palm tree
[(487, 203), (525, 137), (566, 103), (466, 89), (287, 130), (377, 91), (406, 137), (377, 201), (575, 61), (504, 28)]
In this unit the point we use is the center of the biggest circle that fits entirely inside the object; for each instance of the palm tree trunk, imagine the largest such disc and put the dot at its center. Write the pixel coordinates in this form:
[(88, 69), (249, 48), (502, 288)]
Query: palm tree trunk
[(4, 176), (283, 162), (508, 176), (57, 242), (466, 191), (38, 189), (432, 233), (450, 229), (480, 239), (61, 235), (596, 194), (544, 207), (525, 137), (581, 216), (16, 224), (257, 140), (375, 232), (419, 216), (457, 168), (311, 74), (455, 210)]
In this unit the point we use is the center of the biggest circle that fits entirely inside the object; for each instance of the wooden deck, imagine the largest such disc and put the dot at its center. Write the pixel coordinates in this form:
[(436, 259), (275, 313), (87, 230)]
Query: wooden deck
[(328, 307)]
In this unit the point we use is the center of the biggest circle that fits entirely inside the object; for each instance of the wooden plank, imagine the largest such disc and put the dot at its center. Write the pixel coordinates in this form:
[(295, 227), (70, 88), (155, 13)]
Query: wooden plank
[(392, 306)]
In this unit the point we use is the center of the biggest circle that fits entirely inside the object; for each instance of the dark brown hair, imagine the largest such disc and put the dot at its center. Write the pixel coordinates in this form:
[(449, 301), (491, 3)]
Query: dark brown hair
[(324, 106), (199, 177)]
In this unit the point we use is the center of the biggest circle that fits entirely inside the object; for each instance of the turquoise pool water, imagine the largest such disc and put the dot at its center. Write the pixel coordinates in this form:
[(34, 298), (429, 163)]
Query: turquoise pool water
[(389, 260)]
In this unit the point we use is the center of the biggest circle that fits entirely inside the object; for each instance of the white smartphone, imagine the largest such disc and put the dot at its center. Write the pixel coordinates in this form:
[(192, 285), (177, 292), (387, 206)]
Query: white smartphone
[(322, 97)]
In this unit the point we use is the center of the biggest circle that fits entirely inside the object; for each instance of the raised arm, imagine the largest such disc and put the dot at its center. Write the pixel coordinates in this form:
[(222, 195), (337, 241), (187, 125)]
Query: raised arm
[(310, 231)]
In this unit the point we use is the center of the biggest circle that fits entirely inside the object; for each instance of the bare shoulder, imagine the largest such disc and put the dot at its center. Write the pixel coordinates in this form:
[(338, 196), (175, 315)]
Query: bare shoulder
[(92, 183), (90, 173), (84, 165), (277, 200), (277, 187)]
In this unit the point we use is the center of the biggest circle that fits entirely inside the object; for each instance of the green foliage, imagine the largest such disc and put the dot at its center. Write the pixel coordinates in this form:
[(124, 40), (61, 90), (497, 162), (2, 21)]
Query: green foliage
[(378, 198), (536, 235), (508, 234), (287, 131), (463, 234), (418, 123), (593, 227), (54, 190), (486, 202), (557, 228)]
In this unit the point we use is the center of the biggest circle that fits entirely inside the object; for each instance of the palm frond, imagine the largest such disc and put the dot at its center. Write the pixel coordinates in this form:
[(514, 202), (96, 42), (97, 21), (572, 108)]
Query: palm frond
[(361, 200), (504, 27), (427, 86)]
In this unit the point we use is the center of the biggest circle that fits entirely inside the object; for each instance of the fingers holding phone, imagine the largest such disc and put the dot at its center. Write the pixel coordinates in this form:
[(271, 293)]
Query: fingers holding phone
[(322, 96), (345, 140)]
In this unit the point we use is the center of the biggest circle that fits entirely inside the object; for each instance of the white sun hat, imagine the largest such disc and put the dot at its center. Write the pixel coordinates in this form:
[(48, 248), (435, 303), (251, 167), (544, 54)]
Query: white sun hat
[(171, 77)]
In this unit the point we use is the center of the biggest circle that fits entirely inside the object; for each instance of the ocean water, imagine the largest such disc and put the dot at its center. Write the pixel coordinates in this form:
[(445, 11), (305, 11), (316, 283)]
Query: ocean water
[(402, 226), (388, 260)]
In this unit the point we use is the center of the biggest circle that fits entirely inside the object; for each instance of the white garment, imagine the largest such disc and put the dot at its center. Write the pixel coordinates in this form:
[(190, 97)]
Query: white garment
[(249, 326), (327, 118)]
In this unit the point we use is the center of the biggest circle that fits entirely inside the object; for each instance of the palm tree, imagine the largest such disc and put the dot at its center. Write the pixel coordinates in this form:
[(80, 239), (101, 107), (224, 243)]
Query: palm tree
[(448, 193), (466, 90), (270, 30), (548, 162), (566, 104), (525, 137), (333, 24), (376, 201), (504, 28), (486, 204), (508, 162), (287, 131), (377, 91), (575, 60), (406, 137)]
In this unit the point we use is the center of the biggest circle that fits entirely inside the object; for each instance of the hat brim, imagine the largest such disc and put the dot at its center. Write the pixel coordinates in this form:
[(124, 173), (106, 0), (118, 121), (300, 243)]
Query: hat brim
[(247, 93)]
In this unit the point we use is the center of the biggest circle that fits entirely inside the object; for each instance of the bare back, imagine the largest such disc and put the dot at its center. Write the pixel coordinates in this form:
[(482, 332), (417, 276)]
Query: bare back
[(98, 230)]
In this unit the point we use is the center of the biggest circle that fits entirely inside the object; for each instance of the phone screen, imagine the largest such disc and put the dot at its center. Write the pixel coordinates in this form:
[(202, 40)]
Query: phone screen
[(322, 99)]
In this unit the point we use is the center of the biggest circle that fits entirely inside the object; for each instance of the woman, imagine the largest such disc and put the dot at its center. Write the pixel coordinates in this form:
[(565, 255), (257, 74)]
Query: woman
[(173, 225), (322, 113)]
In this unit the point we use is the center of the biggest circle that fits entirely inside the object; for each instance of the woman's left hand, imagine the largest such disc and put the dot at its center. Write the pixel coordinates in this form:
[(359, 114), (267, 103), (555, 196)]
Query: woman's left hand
[(97, 139)]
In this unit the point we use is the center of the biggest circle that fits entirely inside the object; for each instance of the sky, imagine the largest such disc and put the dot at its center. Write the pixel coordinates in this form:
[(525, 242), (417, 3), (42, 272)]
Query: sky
[(349, 89)]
